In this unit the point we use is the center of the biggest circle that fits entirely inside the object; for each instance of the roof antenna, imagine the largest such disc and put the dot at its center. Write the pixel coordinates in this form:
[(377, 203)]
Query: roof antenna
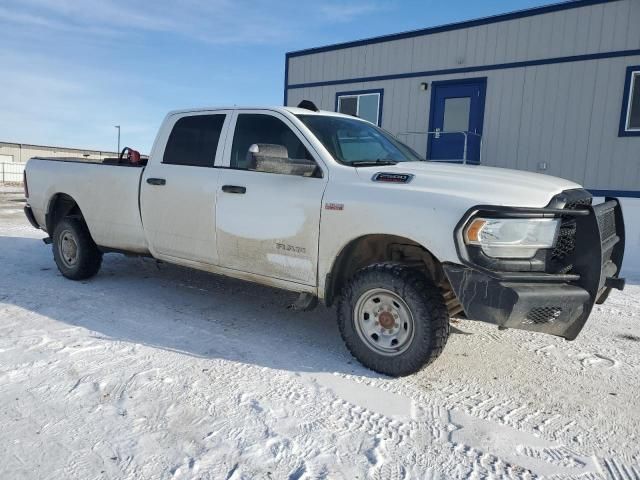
[(308, 105)]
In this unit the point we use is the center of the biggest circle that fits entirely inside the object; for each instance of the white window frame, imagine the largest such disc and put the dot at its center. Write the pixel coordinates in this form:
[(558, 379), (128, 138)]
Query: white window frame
[(357, 95), (632, 81)]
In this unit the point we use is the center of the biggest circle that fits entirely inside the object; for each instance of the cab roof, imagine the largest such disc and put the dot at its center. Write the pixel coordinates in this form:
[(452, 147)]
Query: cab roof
[(292, 110)]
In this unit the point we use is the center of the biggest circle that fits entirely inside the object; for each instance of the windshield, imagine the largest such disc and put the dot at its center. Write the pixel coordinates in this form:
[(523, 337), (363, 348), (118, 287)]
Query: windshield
[(357, 143)]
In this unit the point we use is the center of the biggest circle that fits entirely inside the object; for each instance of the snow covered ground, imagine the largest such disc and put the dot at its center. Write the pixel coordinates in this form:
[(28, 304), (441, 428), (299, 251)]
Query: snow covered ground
[(147, 372)]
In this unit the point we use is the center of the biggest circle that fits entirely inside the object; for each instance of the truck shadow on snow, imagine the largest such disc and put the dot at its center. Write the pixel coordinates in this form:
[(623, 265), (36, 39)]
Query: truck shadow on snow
[(177, 309), (163, 306)]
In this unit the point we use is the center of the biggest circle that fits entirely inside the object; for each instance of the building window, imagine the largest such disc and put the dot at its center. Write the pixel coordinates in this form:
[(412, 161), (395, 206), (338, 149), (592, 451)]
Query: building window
[(630, 118), (365, 104)]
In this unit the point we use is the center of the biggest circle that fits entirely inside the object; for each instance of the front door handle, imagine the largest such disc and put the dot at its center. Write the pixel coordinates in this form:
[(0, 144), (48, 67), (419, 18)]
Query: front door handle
[(156, 181), (234, 189)]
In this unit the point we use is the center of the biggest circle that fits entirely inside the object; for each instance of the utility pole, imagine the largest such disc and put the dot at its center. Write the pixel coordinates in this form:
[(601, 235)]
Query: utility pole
[(118, 127)]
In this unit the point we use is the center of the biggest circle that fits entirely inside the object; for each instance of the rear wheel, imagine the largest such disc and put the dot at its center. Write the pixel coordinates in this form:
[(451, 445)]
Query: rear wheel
[(74, 251), (393, 319)]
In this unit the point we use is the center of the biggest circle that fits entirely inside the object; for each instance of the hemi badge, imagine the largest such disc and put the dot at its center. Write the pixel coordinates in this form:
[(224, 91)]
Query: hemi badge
[(392, 177), (333, 206)]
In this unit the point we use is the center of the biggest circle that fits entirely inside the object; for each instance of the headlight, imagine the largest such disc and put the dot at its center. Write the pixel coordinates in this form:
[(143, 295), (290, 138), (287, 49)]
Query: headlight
[(512, 237)]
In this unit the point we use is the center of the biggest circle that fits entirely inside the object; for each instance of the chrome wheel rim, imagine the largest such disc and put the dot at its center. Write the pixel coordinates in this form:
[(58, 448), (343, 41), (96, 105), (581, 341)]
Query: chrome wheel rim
[(68, 248), (384, 322)]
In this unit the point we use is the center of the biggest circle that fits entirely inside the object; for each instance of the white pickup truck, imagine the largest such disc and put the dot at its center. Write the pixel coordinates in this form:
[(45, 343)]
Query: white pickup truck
[(338, 210)]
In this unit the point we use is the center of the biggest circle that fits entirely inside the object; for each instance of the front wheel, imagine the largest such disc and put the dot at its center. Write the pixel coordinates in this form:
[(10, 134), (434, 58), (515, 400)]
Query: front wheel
[(74, 251), (393, 319)]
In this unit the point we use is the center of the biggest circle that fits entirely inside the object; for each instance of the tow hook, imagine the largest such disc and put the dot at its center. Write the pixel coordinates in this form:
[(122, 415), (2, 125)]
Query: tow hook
[(47, 240)]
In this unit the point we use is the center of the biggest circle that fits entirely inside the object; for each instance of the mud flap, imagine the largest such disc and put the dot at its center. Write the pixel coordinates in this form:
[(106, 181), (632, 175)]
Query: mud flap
[(32, 219)]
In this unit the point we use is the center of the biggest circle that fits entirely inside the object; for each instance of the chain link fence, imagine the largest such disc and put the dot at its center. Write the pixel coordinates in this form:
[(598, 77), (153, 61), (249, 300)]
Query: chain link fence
[(11, 172)]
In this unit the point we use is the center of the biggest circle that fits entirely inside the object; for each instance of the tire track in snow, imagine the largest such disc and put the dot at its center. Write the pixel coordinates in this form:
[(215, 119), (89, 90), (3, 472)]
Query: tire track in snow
[(619, 469), (561, 456), (394, 435), (241, 419), (497, 410)]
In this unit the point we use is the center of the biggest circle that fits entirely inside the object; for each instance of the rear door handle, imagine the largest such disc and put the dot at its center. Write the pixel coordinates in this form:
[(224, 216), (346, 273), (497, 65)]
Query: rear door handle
[(156, 181), (234, 189)]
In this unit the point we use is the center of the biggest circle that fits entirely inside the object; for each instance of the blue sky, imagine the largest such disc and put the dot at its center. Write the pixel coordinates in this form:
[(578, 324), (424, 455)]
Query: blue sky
[(72, 69)]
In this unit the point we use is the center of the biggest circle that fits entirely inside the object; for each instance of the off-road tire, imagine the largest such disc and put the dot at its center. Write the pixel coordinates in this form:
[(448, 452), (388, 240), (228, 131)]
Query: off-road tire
[(89, 257), (424, 300)]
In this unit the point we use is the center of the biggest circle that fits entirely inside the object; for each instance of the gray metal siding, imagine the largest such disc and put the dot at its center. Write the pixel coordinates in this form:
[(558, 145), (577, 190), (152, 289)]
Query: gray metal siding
[(590, 29), (564, 114)]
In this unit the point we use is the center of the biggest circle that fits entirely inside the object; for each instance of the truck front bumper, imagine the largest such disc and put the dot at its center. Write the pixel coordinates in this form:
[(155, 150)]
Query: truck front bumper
[(557, 309), (556, 304)]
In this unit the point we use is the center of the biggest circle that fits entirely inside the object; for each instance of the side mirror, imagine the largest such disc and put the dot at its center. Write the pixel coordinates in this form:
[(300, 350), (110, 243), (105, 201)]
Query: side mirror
[(270, 158)]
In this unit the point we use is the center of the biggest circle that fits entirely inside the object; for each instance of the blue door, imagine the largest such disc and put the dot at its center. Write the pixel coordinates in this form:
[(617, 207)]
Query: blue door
[(457, 111)]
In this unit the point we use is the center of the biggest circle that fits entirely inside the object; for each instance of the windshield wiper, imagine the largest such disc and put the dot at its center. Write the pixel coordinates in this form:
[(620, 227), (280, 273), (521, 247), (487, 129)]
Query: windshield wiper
[(372, 163)]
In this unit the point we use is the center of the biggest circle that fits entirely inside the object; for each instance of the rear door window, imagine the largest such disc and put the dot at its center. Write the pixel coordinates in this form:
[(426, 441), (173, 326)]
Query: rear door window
[(194, 141)]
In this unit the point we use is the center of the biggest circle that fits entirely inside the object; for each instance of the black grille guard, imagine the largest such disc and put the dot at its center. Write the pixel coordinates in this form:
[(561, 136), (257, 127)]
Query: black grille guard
[(600, 240), (599, 243), (595, 261)]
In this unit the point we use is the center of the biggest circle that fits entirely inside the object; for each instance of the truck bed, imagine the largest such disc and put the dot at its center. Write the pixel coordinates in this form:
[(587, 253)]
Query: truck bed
[(114, 162), (107, 194)]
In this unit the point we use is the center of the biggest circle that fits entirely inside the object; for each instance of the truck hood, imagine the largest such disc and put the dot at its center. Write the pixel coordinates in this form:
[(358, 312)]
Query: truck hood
[(481, 185)]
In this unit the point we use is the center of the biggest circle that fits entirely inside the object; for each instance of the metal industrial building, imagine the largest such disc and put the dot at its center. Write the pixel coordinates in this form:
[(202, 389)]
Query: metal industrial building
[(554, 90), (21, 152), (13, 156)]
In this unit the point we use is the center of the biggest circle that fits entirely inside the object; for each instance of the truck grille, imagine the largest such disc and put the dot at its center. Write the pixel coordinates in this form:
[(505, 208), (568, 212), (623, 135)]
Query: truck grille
[(566, 244), (607, 225), (576, 203)]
